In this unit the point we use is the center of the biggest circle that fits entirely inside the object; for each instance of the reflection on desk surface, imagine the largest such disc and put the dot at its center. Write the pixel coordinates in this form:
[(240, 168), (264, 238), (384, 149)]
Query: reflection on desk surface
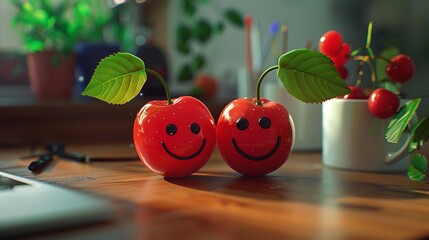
[(301, 200)]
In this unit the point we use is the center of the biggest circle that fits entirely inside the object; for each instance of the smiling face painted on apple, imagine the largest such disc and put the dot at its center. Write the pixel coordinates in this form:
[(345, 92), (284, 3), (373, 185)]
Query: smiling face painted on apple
[(174, 140), (254, 140)]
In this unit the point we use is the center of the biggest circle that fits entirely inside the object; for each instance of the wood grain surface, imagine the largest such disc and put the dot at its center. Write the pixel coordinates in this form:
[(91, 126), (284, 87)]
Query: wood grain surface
[(301, 200)]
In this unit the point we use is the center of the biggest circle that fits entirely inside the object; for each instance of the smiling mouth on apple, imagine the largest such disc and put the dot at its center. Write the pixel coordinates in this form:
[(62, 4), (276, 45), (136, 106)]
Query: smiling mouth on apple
[(185, 157), (256, 158)]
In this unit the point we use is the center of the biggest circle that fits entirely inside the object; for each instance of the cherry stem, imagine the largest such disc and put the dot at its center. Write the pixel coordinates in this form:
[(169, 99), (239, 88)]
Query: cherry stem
[(373, 71), (359, 72), (258, 86), (369, 35), (164, 83), (385, 59), (355, 52)]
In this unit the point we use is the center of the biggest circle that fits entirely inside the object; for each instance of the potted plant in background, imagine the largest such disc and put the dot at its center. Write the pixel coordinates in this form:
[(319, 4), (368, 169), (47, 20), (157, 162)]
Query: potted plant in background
[(96, 19), (49, 35), (193, 33)]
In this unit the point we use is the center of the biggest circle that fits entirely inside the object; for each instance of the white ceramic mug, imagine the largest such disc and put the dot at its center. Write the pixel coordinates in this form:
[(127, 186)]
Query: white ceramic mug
[(353, 139), (306, 117)]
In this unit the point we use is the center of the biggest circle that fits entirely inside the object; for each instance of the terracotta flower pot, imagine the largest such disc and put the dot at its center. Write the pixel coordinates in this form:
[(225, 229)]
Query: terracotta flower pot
[(52, 75)]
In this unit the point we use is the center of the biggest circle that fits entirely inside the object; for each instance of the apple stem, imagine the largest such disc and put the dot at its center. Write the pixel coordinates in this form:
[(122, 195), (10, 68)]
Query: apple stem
[(258, 86), (164, 83)]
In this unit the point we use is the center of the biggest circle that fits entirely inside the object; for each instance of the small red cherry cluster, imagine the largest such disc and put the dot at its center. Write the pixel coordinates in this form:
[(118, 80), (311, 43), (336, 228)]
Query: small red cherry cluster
[(332, 45), (382, 103)]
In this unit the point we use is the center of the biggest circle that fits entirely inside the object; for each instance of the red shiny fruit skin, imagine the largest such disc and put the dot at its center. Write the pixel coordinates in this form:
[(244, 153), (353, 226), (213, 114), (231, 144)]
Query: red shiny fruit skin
[(342, 71), (331, 43), (151, 138), (357, 93), (343, 57), (383, 103), (254, 141), (401, 69)]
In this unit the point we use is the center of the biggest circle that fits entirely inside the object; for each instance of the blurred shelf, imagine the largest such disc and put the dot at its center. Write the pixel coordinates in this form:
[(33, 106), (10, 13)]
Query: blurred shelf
[(25, 120)]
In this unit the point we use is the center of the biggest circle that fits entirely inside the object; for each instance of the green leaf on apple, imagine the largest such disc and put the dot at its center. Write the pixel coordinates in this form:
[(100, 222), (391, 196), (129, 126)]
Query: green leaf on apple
[(400, 121), (310, 76), (417, 169), (117, 79), (419, 134)]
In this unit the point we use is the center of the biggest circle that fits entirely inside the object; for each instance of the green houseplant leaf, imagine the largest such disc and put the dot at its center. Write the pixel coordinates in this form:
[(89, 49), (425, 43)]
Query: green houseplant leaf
[(202, 31), (419, 134), (401, 119), (183, 33), (234, 17), (417, 169), (310, 76), (45, 25), (189, 8), (198, 62), (185, 73), (117, 79)]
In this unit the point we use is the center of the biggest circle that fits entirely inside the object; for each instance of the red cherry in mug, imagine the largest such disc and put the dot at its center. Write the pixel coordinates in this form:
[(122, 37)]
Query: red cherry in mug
[(177, 139), (253, 139), (343, 57), (382, 103), (401, 68), (331, 43), (357, 93), (342, 71)]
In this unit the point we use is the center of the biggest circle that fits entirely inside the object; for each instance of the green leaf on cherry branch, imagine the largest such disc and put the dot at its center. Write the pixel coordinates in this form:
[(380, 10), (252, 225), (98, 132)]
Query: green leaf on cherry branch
[(391, 86), (419, 134), (310, 76), (417, 169), (400, 121), (117, 79), (382, 61)]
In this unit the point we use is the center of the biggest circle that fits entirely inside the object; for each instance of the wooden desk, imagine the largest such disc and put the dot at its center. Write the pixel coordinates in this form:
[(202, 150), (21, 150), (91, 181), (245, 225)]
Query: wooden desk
[(302, 200)]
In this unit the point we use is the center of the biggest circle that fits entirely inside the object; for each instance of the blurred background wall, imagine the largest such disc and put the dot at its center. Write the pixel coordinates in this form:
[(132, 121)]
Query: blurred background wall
[(396, 22)]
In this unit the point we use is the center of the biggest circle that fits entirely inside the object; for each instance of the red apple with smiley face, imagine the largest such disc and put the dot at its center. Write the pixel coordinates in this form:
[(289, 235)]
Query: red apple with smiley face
[(255, 136), (253, 139), (177, 139), (172, 137)]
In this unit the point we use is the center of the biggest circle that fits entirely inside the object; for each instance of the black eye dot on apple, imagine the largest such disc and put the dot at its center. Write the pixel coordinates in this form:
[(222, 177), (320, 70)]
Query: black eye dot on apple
[(195, 128), (242, 123), (264, 122), (171, 129)]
